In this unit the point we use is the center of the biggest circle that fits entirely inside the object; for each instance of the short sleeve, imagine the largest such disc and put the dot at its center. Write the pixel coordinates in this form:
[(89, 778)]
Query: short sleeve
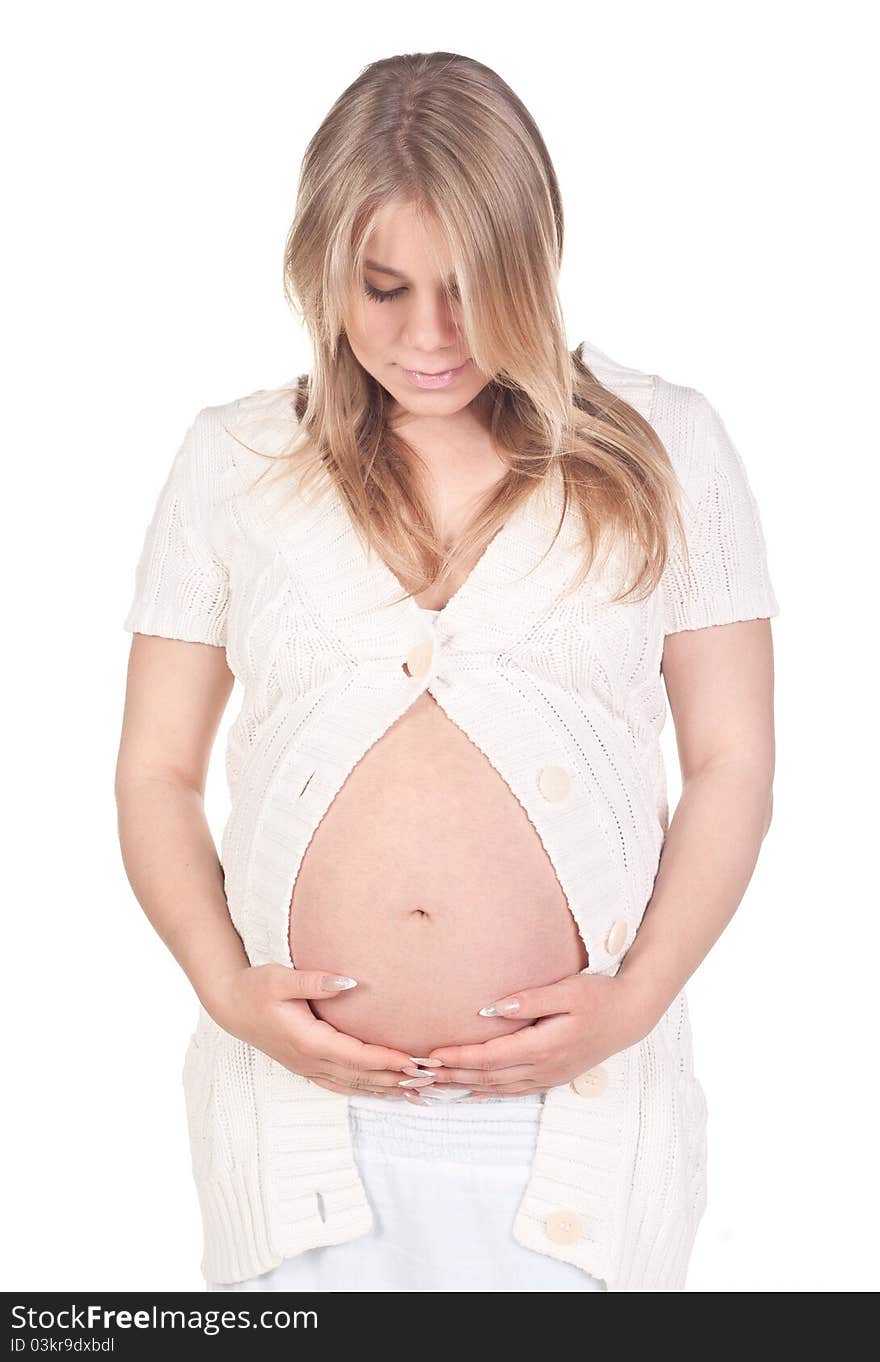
[(728, 577), (181, 587)]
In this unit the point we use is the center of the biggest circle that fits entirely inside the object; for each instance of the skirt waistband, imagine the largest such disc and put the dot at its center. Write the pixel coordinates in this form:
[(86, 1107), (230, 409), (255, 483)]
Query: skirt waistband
[(496, 1130)]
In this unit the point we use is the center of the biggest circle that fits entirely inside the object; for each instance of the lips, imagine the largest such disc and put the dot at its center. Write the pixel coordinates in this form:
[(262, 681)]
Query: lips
[(432, 373), (419, 378)]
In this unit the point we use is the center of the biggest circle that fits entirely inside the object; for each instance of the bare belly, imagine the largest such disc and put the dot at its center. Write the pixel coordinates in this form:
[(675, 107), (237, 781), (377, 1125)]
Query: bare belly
[(427, 883)]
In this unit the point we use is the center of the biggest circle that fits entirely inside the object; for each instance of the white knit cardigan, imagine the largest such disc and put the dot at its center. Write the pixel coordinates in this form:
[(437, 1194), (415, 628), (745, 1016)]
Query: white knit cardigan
[(562, 694)]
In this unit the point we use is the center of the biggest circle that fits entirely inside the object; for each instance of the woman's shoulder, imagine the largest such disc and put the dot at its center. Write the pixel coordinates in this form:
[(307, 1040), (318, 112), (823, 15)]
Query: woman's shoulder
[(681, 414), (264, 419), (653, 395)]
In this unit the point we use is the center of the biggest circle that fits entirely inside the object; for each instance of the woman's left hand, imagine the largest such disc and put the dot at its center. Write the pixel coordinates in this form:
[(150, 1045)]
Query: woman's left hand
[(579, 1021)]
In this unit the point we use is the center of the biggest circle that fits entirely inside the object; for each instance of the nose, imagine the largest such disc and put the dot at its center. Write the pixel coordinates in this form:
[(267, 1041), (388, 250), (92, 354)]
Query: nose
[(429, 329)]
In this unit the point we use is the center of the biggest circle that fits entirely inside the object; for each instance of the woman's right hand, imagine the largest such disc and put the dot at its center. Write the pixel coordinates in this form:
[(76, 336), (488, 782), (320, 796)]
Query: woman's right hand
[(267, 1007)]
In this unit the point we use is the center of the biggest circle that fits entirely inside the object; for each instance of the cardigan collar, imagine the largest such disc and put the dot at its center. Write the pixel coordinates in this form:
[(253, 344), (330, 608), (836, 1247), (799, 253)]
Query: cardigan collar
[(266, 421)]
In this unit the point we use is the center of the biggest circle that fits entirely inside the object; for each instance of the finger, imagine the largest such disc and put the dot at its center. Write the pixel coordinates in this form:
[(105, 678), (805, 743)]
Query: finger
[(313, 983), (351, 1053), (351, 1092), (357, 1089), (519, 1090), (483, 1079), (517, 1047), (546, 1001), (373, 1080)]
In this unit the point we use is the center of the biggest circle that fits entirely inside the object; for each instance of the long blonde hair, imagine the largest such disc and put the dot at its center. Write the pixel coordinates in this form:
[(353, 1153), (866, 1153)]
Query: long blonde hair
[(447, 135)]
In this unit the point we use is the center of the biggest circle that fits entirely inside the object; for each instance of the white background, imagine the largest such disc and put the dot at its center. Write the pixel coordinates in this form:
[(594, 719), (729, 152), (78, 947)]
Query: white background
[(716, 168)]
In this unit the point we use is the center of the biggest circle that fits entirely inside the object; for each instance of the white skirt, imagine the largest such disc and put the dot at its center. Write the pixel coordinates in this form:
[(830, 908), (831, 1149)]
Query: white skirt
[(444, 1181)]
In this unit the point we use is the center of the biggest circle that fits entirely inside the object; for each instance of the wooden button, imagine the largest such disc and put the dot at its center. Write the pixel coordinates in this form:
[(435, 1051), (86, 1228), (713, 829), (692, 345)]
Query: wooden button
[(563, 1227), (418, 659), (591, 1083), (554, 782), (616, 938)]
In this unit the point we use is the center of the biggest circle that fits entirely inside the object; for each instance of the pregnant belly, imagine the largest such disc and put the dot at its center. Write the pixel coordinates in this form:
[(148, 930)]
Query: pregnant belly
[(427, 883)]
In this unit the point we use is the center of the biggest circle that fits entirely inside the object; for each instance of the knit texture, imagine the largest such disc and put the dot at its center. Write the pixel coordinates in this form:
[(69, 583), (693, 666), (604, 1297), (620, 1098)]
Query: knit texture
[(562, 694)]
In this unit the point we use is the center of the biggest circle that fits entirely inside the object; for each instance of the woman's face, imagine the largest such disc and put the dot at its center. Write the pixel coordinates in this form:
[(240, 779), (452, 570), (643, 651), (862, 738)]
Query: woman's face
[(400, 321)]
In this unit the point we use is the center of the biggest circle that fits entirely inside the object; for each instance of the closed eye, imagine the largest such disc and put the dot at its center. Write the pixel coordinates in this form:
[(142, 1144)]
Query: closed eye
[(379, 297)]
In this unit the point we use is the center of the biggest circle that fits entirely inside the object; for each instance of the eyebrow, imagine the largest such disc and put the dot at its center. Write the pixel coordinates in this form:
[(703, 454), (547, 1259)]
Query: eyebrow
[(397, 274)]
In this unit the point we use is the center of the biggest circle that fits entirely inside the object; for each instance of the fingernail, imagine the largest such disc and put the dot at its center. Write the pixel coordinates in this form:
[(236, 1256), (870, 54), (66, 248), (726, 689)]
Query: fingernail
[(336, 981), (415, 1083), (500, 1009), (437, 1063), (420, 1073)]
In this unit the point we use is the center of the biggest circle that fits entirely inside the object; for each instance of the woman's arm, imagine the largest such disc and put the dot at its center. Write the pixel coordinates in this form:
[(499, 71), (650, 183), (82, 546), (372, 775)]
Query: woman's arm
[(176, 694), (175, 697), (720, 682)]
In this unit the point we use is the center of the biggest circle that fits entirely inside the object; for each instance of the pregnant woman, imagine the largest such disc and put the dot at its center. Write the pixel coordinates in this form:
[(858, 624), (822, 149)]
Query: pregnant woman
[(442, 1038)]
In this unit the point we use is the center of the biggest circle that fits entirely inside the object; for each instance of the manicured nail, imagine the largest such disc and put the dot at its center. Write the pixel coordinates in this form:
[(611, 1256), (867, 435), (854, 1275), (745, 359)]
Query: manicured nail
[(501, 1009), (420, 1073), (336, 981), (438, 1063), (415, 1083)]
